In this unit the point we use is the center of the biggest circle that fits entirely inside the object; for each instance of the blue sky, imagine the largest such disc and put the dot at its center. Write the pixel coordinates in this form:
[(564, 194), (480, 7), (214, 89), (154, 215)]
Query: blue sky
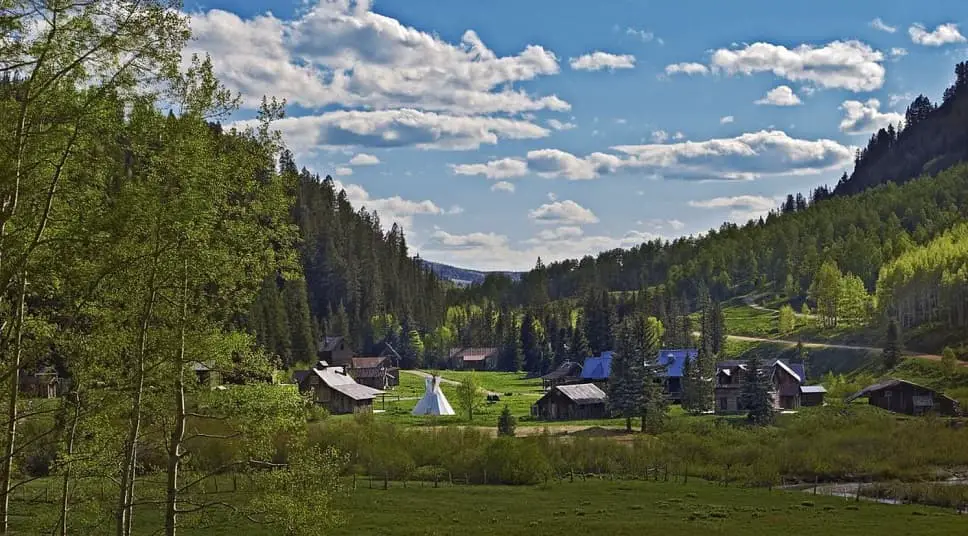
[(497, 132)]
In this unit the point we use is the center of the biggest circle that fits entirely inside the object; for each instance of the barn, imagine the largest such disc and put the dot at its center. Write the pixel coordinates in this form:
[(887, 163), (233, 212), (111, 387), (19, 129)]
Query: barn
[(334, 389), (902, 396), (572, 402)]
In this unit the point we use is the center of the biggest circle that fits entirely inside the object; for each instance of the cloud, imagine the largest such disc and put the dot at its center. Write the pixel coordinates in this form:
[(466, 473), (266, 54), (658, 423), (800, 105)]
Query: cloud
[(621, 121), (645, 36), (552, 196), (726, 120), (504, 168), (660, 136), (942, 35), (488, 251), (340, 52), (676, 225), (878, 24), (780, 96), (445, 241), (563, 213), (850, 65), (390, 209), (902, 98), (866, 117), (742, 208), (678, 136), (363, 159), (686, 68), (503, 186), (343, 171), (399, 128), (558, 125), (898, 52), (596, 61), (744, 157)]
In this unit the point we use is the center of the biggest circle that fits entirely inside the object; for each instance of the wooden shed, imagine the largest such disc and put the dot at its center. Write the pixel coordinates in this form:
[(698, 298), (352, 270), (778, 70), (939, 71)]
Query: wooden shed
[(572, 402), (334, 389), (902, 396), (336, 351), (375, 372)]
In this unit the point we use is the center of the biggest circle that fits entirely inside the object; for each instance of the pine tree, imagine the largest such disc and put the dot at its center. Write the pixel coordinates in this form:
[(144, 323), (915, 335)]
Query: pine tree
[(756, 395), (578, 349), (302, 339), (717, 340), (625, 382), (506, 423), (690, 396), (530, 344), (893, 347), (654, 401)]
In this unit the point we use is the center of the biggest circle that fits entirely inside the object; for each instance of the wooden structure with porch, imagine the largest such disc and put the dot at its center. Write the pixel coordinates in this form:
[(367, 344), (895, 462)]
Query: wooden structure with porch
[(375, 372), (567, 372), (473, 358)]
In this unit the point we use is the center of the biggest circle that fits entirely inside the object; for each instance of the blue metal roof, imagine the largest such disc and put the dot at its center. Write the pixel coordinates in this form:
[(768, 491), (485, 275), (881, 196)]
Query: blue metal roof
[(674, 360), (597, 368)]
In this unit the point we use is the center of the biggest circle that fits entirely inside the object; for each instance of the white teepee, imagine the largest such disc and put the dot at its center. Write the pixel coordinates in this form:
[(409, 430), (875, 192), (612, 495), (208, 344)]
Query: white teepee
[(433, 402)]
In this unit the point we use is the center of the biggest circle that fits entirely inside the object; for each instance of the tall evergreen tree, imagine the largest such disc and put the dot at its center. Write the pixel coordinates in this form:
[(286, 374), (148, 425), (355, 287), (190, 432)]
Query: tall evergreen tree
[(302, 339), (578, 348), (530, 344), (756, 396), (893, 347), (654, 403), (625, 383)]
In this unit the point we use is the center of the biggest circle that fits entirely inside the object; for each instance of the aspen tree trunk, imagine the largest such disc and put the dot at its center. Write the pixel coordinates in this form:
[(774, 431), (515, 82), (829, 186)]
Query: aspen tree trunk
[(65, 486), (126, 495), (178, 434), (11, 436)]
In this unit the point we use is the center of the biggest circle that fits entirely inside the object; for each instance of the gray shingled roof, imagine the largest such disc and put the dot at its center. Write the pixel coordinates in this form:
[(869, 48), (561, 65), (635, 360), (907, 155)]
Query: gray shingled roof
[(812, 389), (887, 384), (583, 393)]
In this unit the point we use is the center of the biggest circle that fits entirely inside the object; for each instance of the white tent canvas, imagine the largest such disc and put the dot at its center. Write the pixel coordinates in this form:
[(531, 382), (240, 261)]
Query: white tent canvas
[(433, 402)]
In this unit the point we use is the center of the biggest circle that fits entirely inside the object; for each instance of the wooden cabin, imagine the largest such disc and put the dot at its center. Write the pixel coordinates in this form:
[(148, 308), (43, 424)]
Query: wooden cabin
[(902, 396), (572, 402), (474, 358), (333, 388), (43, 383), (788, 390)]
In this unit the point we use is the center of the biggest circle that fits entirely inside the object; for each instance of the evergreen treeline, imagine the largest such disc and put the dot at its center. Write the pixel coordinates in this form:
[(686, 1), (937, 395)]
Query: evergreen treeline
[(782, 253), (351, 273), (932, 138)]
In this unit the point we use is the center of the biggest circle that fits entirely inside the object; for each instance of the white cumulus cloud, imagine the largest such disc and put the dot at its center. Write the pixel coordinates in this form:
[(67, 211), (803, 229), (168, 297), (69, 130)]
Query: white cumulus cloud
[(390, 209), (503, 186), (504, 168), (726, 120), (660, 136), (689, 68), (400, 128), (850, 65), (340, 52), (363, 159), (866, 117), (780, 96), (565, 212), (742, 208), (343, 171), (598, 60), (944, 34)]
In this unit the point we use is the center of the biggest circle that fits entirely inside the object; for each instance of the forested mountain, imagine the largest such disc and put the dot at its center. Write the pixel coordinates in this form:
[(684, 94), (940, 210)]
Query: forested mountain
[(350, 272), (932, 138)]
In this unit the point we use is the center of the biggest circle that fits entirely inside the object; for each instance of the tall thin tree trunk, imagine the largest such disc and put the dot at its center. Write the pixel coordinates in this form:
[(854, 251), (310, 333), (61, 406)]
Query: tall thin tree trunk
[(126, 495), (178, 434), (65, 486), (7, 468)]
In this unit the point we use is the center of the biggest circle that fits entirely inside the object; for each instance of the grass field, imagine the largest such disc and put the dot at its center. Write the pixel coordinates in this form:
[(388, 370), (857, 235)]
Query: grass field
[(582, 507), (629, 507)]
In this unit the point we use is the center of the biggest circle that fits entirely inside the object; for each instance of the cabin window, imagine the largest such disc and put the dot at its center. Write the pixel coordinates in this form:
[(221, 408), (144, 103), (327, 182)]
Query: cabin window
[(723, 404)]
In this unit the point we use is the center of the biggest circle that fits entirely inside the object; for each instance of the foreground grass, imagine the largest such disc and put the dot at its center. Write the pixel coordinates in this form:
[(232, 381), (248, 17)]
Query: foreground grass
[(626, 508)]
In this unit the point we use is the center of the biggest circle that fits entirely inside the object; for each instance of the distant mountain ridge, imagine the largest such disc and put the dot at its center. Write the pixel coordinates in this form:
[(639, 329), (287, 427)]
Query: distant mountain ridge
[(463, 276)]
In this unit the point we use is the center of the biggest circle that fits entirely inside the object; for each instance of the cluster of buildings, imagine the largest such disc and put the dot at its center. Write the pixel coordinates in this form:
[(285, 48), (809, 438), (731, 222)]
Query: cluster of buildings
[(578, 391)]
